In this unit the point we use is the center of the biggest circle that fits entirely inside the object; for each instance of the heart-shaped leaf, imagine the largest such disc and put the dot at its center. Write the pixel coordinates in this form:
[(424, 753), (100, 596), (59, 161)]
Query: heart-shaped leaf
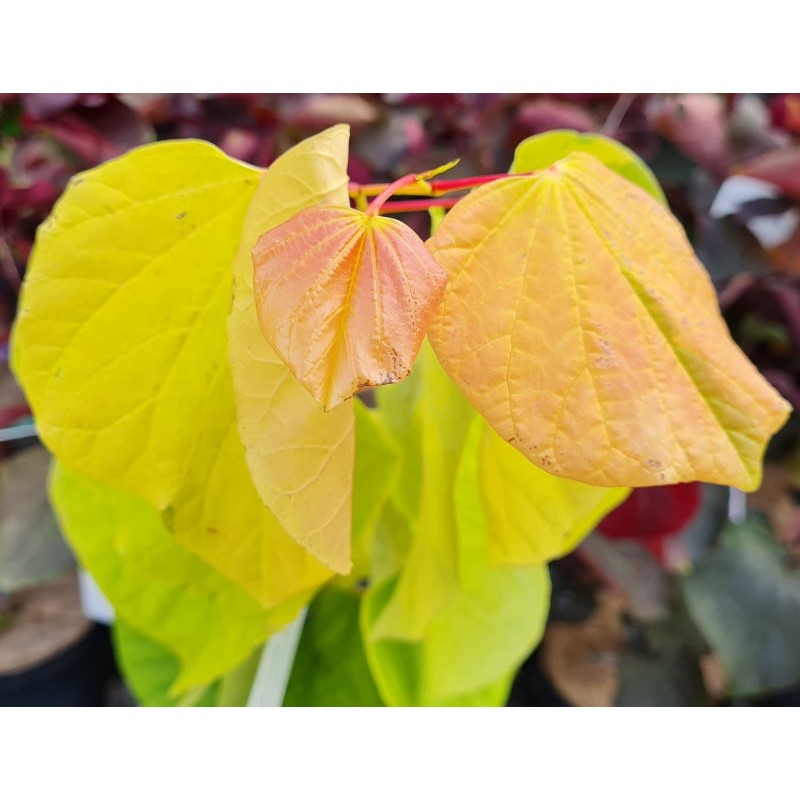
[(120, 345), (539, 152), (578, 321), (345, 298)]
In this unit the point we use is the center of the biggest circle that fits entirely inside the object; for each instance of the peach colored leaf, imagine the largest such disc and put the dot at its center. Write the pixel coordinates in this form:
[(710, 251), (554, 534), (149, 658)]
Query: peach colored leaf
[(578, 321), (345, 298), (300, 458)]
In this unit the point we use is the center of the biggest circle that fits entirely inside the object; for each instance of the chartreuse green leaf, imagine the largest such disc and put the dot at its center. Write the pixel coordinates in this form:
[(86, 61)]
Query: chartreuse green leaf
[(437, 421), (441, 624), (330, 668), (120, 345), (399, 667), (579, 322), (150, 669), (376, 471), (532, 516), (540, 151), (300, 457), (470, 650), (157, 585)]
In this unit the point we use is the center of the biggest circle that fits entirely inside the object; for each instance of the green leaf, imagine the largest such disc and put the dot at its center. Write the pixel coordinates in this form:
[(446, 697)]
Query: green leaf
[(533, 516), (431, 425), (471, 649), (150, 669), (376, 470), (330, 668), (399, 667), (540, 151), (745, 598), (157, 585)]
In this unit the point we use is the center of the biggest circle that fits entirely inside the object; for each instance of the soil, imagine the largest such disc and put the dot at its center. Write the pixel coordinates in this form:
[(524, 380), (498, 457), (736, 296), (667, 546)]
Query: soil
[(44, 620)]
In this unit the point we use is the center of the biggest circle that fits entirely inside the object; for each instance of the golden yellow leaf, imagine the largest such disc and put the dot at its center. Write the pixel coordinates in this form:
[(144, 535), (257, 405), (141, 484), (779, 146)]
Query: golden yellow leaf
[(345, 298), (578, 321), (218, 514), (118, 329), (121, 347), (300, 458)]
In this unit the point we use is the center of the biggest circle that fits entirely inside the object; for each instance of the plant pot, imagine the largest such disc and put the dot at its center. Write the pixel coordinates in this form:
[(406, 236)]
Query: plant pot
[(50, 654)]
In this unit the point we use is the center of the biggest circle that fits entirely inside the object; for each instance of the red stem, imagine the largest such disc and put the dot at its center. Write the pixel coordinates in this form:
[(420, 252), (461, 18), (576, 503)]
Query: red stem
[(400, 206), (438, 188), (455, 184), (375, 206)]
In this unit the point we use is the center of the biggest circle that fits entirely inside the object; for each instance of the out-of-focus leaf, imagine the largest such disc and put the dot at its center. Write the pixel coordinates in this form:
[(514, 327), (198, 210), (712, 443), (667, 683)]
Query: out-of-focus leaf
[(157, 585), (330, 668), (629, 566), (31, 547), (300, 457), (695, 124), (628, 376), (539, 152), (745, 599), (702, 532), (785, 112), (651, 515), (150, 669), (545, 114), (315, 111), (660, 669)]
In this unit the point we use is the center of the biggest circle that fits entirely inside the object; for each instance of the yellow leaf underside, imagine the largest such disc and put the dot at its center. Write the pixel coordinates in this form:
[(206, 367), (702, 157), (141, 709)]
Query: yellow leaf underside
[(300, 458), (579, 322)]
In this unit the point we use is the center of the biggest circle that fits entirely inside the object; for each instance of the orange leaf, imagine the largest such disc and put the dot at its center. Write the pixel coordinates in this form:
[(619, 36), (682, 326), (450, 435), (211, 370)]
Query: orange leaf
[(345, 298), (578, 321)]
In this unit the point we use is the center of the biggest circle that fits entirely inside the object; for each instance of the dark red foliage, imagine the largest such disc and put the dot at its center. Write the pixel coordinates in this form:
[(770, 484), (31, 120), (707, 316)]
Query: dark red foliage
[(785, 112), (652, 515)]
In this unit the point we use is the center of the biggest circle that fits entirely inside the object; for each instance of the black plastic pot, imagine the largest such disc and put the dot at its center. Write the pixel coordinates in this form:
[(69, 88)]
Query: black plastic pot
[(77, 676)]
